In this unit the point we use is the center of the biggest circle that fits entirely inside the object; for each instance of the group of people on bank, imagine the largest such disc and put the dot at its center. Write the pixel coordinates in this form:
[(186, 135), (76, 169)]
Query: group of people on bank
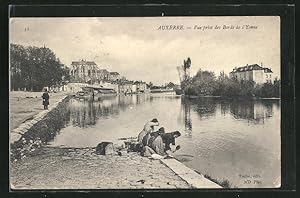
[(156, 142)]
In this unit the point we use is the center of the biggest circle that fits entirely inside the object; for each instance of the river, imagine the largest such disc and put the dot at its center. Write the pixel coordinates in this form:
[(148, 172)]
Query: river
[(233, 140)]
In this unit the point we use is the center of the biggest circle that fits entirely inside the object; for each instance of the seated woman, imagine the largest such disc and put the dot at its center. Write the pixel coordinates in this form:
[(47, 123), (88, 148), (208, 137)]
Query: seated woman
[(169, 138), (156, 145), (148, 136), (148, 128)]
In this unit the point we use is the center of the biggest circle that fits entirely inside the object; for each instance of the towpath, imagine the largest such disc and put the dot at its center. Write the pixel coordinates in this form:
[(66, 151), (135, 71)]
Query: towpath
[(25, 105)]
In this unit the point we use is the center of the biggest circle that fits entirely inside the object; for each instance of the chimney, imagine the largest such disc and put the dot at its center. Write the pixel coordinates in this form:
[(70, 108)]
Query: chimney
[(261, 64)]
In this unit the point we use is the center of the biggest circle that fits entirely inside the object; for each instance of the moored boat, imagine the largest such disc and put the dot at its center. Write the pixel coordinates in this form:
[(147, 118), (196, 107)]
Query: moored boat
[(92, 93), (84, 95)]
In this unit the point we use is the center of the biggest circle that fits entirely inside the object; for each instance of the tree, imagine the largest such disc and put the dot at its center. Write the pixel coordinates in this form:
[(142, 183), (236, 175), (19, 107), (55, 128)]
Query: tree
[(203, 83), (184, 74), (150, 85), (276, 88), (18, 58), (187, 63), (34, 68), (170, 85)]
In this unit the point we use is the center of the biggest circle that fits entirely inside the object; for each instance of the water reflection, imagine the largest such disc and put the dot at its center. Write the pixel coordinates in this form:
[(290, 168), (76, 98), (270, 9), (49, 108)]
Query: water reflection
[(86, 113), (186, 108), (205, 107), (82, 113), (252, 110)]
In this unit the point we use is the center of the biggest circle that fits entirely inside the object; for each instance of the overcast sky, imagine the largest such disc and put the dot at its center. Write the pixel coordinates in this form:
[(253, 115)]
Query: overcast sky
[(136, 49)]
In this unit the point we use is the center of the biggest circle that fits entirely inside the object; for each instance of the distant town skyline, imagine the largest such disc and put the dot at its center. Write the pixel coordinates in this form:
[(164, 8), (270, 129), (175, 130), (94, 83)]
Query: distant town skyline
[(150, 48)]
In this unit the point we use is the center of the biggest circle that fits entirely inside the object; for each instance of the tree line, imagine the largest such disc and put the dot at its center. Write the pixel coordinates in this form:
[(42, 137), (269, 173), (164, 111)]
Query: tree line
[(207, 83), (32, 68)]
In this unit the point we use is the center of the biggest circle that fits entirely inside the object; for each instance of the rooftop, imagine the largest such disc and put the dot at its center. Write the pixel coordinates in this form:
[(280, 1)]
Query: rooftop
[(114, 73), (139, 82), (83, 62), (103, 70), (267, 70), (251, 68)]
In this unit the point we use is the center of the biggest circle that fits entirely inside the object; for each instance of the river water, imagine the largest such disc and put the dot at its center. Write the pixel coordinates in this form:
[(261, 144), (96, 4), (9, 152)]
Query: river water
[(237, 141)]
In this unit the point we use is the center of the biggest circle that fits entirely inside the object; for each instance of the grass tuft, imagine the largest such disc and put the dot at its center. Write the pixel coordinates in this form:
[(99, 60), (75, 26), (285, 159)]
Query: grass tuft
[(225, 183)]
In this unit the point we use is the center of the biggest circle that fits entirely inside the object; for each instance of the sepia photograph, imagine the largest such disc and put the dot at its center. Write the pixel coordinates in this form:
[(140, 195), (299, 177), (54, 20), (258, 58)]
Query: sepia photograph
[(182, 102)]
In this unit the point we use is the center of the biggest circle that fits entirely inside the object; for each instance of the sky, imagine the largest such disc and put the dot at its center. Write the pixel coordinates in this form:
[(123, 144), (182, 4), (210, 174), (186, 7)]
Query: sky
[(139, 49)]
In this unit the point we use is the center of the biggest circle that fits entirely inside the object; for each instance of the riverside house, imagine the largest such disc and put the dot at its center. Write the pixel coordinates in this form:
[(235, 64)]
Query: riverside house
[(103, 75), (141, 86), (127, 87), (254, 72), (114, 76)]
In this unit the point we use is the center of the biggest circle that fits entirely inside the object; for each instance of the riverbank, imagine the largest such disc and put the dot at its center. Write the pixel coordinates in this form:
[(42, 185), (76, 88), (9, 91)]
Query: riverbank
[(230, 98), (71, 168), (81, 168), (24, 106), (40, 127), (34, 165)]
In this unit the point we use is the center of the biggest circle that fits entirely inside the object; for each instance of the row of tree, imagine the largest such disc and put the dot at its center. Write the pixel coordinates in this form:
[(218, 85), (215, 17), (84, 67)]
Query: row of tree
[(169, 85), (33, 68), (206, 83)]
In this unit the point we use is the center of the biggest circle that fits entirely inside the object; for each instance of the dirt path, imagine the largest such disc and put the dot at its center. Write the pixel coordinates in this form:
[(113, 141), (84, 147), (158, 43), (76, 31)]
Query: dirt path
[(24, 105)]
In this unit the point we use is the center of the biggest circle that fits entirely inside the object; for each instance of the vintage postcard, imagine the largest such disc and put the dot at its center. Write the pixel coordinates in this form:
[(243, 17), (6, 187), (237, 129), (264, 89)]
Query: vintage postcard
[(145, 102)]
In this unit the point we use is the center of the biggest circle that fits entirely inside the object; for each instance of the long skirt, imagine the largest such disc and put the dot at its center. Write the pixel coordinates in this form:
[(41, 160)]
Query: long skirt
[(147, 151), (45, 102)]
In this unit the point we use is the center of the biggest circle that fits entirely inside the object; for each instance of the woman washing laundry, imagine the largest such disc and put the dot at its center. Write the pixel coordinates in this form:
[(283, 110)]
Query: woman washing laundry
[(159, 143), (144, 134), (148, 128)]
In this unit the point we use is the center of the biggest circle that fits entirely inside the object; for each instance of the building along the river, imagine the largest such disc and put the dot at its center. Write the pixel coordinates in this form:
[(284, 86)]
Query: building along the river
[(84, 71), (254, 72), (103, 75), (127, 87), (113, 76), (141, 87)]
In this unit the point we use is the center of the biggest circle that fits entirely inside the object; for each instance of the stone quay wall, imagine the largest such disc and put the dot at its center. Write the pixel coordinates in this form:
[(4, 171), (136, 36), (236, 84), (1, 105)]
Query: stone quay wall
[(32, 134)]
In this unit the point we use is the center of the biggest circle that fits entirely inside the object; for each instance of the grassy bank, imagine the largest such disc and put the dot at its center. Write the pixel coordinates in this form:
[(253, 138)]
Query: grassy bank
[(41, 132), (225, 183)]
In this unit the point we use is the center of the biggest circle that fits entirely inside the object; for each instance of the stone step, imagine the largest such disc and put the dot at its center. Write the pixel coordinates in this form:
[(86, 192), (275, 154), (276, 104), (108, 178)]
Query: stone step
[(194, 179)]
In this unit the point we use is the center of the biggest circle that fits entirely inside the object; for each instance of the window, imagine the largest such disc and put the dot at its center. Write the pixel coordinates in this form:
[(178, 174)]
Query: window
[(266, 75)]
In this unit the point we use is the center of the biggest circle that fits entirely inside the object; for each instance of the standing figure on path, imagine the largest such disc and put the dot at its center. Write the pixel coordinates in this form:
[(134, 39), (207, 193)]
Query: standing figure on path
[(148, 128), (45, 97)]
